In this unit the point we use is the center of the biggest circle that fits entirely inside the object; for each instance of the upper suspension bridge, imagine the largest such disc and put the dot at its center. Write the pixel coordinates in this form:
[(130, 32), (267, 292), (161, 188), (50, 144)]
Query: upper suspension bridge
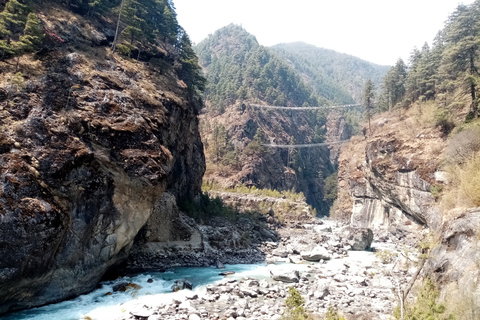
[(304, 108)]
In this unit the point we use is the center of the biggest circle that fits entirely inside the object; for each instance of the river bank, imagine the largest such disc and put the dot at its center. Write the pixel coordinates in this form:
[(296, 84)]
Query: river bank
[(361, 284)]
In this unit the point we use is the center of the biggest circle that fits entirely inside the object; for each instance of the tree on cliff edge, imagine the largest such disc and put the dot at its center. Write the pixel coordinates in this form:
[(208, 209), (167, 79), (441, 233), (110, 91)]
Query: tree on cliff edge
[(367, 101)]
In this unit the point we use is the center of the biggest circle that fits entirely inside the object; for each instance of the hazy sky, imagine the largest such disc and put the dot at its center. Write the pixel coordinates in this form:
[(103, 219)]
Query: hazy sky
[(379, 31)]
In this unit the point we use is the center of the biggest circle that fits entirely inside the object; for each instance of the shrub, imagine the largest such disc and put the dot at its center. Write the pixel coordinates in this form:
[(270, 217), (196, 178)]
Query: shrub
[(17, 81), (332, 314), (426, 306), (241, 188), (442, 120), (125, 49), (386, 256), (295, 306), (469, 181), (462, 163), (331, 187), (463, 145), (436, 191)]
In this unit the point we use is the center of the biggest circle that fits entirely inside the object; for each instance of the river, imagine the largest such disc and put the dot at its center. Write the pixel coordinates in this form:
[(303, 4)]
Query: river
[(99, 304)]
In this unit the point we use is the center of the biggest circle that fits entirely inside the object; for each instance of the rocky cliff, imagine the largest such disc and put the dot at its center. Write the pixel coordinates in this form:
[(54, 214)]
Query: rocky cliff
[(301, 170), (386, 177), (385, 183), (89, 143)]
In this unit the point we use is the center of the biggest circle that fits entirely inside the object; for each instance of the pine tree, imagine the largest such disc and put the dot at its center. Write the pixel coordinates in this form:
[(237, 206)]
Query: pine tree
[(190, 71), (119, 19), (412, 81), (463, 47), (33, 32), (13, 17), (133, 12), (393, 87), (220, 142), (169, 25), (368, 101)]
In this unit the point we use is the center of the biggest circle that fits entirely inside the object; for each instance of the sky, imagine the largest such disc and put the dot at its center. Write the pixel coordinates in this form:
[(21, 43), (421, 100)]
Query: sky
[(379, 31)]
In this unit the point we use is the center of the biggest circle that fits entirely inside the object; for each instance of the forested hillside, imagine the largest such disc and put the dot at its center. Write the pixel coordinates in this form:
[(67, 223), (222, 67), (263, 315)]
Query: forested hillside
[(446, 74), (240, 69), (336, 76), (146, 30), (440, 86)]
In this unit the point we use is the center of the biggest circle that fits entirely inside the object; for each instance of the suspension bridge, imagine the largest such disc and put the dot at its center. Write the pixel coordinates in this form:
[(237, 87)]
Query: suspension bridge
[(304, 108), (311, 145)]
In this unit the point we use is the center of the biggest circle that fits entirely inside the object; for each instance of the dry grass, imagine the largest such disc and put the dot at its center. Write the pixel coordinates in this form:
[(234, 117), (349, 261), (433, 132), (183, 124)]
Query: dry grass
[(462, 164), (424, 114), (463, 191), (464, 306)]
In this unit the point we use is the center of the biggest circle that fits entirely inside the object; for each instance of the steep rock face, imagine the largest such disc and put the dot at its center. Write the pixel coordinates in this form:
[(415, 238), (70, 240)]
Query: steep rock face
[(384, 181), (172, 239), (455, 262), (272, 168), (337, 130), (387, 177), (88, 144)]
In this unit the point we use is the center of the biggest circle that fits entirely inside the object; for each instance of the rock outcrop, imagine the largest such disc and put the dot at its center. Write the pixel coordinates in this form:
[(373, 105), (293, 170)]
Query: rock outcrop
[(385, 182), (89, 142), (386, 179), (455, 263), (268, 168), (172, 239)]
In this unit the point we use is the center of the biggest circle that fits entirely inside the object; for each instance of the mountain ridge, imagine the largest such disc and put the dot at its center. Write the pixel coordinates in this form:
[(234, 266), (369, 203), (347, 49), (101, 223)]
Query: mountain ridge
[(330, 68)]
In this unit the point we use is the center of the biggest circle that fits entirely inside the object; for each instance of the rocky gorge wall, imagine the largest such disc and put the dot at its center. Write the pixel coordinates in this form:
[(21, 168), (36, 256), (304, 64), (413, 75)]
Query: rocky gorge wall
[(384, 184), (89, 143), (385, 178), (301, 170)]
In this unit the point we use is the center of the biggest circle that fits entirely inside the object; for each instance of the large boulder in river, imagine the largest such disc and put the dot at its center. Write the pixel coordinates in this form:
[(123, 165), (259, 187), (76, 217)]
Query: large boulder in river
[(291, 276), (317, 254), (181, 284), (359, 239)]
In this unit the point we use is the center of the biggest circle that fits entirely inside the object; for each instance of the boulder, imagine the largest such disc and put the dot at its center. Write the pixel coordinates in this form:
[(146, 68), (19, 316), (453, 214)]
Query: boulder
[(359, 239), (285, 276), (181, 284), (317, 254), (124, 286), (295, 259), (280, 252), (142, 313), (321, 291)]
